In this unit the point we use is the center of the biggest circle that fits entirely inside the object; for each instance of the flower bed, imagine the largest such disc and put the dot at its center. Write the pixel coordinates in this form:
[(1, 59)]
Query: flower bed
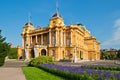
[(80, 73), (102, 67)]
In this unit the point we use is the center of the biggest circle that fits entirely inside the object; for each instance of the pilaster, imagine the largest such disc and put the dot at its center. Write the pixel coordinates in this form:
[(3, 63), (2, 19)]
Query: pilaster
[(31, 40), (61, 38), (36, 39), (23, 43), (41, 39), (64, 38), (56, 36), (49, 37)]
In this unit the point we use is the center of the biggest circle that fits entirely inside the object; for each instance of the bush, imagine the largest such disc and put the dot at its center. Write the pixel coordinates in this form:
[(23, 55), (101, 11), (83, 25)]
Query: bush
[(12, 53), (41, 60), (2, 61), (4, 48)]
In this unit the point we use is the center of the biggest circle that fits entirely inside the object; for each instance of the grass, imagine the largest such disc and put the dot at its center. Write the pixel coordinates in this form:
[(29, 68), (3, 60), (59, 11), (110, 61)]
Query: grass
[(32, 73)]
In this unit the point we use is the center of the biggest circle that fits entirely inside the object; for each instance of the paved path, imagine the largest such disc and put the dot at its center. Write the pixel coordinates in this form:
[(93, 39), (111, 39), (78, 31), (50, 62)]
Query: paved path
[(12, 70)]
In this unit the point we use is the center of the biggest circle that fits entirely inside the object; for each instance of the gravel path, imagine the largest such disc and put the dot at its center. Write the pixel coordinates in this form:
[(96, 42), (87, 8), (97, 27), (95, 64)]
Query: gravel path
[(12, 70)]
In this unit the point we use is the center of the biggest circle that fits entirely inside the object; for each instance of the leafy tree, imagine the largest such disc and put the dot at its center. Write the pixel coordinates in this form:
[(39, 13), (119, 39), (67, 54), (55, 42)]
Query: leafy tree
[(104, 55), (12, 53), (4, 48), (112, 56), (118, 55)]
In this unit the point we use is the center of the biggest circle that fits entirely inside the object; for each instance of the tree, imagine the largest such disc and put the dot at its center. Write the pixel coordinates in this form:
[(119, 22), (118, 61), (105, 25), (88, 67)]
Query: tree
[(12, 53), (112, 56), (4, 48), (118, 55), (104, 55)]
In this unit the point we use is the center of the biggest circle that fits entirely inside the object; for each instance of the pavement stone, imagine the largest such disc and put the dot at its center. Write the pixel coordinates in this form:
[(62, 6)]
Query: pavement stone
[(12, 70)]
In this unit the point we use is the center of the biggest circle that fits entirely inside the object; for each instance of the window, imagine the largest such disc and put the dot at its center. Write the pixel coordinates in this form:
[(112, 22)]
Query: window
[(53, 52), (54, 40), (67, 53), (81, 54)]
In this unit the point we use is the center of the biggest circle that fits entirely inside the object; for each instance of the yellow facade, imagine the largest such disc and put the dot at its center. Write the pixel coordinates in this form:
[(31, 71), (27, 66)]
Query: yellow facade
[(73, 42)]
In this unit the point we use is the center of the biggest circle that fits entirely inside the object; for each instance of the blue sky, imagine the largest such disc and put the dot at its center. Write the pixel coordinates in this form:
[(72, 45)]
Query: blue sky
[(101, 17)]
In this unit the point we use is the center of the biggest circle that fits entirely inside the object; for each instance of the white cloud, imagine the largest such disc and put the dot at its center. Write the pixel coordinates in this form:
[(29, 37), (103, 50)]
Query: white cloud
[(117, 23), (115, 38)]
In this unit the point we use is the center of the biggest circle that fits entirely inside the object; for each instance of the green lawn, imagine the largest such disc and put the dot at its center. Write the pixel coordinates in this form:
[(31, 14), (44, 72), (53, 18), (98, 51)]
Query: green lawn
[(32, 73)]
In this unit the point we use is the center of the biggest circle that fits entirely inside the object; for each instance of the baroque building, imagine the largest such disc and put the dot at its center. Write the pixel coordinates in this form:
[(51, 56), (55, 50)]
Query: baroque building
[(72, 42)]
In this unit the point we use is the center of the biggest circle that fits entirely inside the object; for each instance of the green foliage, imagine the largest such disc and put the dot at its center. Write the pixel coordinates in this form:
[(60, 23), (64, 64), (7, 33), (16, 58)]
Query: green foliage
[(4, 49), (12, 53), (110, 68), (2, 61), (32, 73), (104, 55), (118, 55), (112, 56), (41, 60)]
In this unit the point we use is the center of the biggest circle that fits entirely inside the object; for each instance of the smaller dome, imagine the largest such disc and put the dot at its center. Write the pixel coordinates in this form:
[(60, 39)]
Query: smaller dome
[(56, 15), (80, 24), (28, 23), (83, 27)]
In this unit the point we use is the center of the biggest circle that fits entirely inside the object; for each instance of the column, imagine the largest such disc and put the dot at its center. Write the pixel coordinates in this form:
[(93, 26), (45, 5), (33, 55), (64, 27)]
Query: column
[(41, 39), (26, 55), (23, 42), (56, 37), (50, 37), (71, 37), (64, 38), (36, 39), (31, 40), (61, 38), (35, 51), (26, 43), (94, 45), (75, 59)]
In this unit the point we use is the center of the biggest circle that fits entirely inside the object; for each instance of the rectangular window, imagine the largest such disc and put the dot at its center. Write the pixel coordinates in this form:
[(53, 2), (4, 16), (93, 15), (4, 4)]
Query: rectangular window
[(53, 52)]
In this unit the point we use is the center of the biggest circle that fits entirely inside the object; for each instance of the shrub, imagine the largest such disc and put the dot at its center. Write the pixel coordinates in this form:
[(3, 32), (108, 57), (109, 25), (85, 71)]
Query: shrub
[(4, 48), (41, 60), (2, 61)]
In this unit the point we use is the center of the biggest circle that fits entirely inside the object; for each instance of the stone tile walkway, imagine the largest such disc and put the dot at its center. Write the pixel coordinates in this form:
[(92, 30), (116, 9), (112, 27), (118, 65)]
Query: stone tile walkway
[(12, 70)]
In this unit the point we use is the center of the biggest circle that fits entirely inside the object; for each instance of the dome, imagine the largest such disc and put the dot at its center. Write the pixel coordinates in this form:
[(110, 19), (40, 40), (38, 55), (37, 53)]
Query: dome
[(28, 23), (83, 27), (56, 15)]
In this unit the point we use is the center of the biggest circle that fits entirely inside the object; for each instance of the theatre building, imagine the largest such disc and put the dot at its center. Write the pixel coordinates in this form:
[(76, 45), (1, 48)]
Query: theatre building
[(60, 41)]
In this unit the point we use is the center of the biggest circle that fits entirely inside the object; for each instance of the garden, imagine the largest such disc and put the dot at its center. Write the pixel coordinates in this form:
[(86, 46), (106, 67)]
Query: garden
[(84, 72)]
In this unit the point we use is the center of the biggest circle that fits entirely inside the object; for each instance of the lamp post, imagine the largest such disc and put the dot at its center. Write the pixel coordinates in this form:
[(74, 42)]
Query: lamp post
[(74, 54)]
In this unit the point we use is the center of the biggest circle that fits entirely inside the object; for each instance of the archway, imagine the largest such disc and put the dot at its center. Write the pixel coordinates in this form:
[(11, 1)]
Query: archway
[(32, 54), (43, 52)]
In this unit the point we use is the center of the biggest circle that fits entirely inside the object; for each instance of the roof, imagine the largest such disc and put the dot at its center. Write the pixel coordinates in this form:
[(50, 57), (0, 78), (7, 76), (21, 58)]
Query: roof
[(56, 15), (28, 23)]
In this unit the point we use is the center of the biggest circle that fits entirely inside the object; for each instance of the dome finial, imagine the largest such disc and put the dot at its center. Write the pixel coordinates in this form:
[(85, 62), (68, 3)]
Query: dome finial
[(29, 23), (56, 15), (29, 17), (57, 7)]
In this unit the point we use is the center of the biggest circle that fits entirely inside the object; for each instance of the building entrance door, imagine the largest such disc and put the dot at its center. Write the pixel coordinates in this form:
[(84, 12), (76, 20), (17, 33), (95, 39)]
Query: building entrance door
[(32, 54), (43, 52)]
